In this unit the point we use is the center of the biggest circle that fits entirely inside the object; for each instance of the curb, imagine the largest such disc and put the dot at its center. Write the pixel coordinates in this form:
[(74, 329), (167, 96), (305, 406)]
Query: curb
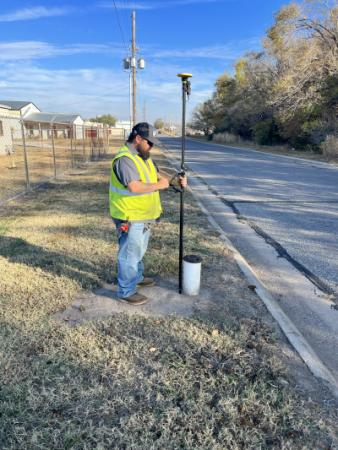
[(294, 336)]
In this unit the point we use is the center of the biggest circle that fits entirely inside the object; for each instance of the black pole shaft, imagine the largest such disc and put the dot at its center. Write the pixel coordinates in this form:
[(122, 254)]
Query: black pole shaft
[(181, 249)]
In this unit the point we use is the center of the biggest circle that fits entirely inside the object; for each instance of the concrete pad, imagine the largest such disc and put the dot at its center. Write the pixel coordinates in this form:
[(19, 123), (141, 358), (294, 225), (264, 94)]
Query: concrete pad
[(164, 300)]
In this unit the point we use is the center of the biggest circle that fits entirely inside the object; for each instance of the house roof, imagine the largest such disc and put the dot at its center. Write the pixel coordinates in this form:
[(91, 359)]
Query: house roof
[(14, 104), (45, 117)]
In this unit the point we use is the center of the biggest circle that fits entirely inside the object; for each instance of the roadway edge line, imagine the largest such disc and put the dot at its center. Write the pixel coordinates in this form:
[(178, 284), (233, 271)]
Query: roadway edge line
[(315, 163), (294, 336)]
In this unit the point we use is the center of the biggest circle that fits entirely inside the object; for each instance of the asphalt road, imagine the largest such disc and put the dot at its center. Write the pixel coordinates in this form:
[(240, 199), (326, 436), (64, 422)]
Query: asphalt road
[(292, 201)]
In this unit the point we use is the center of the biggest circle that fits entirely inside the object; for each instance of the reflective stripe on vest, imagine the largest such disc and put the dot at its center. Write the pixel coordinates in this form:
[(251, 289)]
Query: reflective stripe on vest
[(124, 191)]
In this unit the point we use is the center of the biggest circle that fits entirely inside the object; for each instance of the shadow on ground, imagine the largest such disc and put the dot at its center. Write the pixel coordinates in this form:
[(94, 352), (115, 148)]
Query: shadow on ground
[(20, 251)]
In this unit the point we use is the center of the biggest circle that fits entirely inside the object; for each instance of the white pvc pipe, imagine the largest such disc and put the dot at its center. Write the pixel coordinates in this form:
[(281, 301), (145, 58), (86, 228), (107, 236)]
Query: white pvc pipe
[(191, 274)]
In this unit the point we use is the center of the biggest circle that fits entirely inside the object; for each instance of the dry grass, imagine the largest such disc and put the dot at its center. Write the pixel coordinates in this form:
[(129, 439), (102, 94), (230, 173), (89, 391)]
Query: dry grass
[(227, 138), (130, 382), (330, 148), (41, 162)]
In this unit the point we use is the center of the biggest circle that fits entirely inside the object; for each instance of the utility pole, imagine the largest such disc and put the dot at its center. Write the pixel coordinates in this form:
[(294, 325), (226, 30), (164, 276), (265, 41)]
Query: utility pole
[(144, 111), (133, 63)]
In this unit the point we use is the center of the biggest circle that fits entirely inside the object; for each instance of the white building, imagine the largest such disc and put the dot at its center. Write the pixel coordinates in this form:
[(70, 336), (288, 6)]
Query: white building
[(6, 134), (41, 123), (125, 124), (17, 109), (20, 108), (64, 125), (120, 131)]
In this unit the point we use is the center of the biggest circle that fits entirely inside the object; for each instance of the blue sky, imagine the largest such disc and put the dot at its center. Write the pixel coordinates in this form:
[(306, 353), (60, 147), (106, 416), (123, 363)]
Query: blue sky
[(66, 56)]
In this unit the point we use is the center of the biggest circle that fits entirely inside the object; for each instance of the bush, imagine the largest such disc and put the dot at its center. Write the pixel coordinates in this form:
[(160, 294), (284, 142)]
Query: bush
[(329, 147), (265, 132), (226, 138), (311, 134)]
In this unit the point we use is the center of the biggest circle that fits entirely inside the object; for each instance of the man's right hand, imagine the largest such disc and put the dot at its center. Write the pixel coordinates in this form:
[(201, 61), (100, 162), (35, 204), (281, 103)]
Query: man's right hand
[(163, 183), (145, 188)]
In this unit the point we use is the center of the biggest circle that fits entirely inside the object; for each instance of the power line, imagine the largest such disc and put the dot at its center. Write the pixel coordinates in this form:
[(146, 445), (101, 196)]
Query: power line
[(120, 26), (126, 5)]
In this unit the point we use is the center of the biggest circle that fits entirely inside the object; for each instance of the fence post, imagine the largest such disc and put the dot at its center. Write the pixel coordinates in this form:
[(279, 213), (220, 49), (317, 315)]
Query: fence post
[(75, 143), (98, 140), (105, 140), (71, 147), (53, 149), (12, 151), (41, 136), (28, 186), (92, 141), (84, 142)]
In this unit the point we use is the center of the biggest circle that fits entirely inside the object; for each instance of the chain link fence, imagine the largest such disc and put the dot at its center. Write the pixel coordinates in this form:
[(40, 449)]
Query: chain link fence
[(32, 153)]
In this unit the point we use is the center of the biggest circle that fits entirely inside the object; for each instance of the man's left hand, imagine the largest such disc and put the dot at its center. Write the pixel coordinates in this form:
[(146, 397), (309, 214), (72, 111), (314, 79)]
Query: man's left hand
[(183, 181)]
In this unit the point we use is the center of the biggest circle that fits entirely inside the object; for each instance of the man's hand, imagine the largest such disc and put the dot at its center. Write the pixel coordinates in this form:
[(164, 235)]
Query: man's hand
[(163, 183), (145, 188), (179, 181), (183, 181)]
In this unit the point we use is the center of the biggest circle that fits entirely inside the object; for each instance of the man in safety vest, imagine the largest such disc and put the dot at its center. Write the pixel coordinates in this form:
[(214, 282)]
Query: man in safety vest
[(134, 204)]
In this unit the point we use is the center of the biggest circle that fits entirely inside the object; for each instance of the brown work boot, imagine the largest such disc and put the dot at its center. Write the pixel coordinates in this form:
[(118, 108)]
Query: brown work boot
[(136, 299), (146, 282)]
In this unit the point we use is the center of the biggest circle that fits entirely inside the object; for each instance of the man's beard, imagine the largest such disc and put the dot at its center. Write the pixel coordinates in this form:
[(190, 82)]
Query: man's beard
[(145, 154)]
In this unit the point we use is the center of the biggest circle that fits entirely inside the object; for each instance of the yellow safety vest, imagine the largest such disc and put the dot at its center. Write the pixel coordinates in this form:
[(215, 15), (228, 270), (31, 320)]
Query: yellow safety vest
[(126, 205)]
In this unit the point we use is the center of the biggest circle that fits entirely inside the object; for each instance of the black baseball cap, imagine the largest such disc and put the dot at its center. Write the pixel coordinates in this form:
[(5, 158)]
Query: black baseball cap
[(146, 131)]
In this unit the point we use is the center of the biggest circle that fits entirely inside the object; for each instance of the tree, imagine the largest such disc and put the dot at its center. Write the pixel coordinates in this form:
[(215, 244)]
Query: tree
[(203, 118), (106, 119), (159, 124), (242, 99), (303, 46), (288, 92)]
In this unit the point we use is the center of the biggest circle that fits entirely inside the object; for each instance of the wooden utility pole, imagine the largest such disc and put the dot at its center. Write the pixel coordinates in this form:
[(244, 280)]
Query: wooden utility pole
[(133, 64)]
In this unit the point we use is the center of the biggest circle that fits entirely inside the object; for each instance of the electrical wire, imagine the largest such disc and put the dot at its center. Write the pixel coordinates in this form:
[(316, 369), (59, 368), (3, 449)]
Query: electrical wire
[(120, 26), (126, 8)]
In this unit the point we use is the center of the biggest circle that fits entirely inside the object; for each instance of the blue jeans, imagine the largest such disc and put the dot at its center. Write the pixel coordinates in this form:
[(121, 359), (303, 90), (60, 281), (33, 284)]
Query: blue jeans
[(132, 247)]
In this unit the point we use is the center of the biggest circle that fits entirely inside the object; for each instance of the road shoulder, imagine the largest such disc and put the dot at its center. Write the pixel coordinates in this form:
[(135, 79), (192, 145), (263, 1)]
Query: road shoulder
[(208, 201), (314, 158)]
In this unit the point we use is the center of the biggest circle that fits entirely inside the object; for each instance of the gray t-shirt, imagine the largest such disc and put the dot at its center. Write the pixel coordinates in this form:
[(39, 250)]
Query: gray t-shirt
[(126, 171)]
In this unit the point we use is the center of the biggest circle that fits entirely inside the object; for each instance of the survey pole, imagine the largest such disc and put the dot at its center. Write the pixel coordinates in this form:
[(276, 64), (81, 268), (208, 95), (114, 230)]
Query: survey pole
[(185, 93)]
